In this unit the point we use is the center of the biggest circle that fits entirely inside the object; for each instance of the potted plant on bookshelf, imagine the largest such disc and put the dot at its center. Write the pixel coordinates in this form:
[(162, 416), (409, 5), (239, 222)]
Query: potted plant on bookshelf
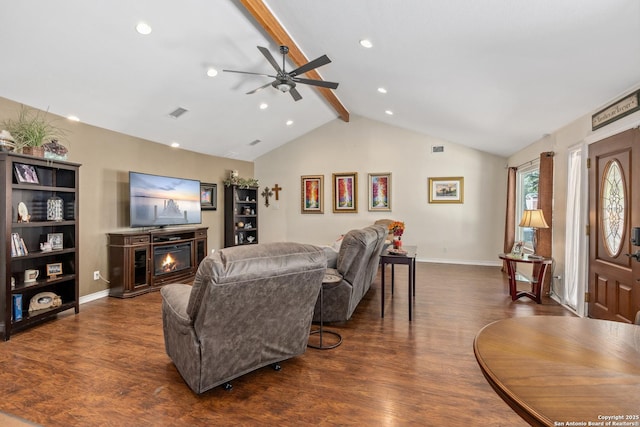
[(31, 130)]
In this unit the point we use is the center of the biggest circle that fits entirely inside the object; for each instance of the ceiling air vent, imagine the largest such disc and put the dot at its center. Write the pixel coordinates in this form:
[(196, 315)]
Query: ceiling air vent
[(177, 112), (437, 149)]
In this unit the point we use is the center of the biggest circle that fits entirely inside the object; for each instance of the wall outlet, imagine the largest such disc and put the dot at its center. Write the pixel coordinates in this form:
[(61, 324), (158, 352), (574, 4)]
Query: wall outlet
[(96, 275)]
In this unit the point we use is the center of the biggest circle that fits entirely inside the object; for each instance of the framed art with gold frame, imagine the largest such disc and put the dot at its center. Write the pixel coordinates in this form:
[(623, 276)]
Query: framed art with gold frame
[(312, 194), (345, 192), (446, 190), (380, 192)]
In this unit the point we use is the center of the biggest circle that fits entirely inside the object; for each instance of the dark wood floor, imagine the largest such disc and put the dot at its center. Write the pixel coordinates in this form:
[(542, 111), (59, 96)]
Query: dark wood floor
[(107, 365)]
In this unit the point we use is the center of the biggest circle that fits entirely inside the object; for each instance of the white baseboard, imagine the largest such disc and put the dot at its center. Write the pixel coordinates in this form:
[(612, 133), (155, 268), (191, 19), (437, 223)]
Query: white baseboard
[(94, 296), (463, 262)]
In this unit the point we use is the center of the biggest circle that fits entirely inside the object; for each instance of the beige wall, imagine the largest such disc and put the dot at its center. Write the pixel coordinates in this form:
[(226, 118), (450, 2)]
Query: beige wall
[(106, 158), (458, 233), (561, 141)]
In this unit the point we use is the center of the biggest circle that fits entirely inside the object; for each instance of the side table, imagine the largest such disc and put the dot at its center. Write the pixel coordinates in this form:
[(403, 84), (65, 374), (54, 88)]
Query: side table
[(540, 264), (331, 279), (409, 259)]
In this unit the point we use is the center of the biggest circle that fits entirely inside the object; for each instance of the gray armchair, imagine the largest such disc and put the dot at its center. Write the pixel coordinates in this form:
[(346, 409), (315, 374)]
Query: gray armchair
[(357, 262), (249, 306)]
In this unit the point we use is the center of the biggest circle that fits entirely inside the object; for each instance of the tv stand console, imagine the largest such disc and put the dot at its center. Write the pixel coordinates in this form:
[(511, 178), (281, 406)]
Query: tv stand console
[(143, 261)]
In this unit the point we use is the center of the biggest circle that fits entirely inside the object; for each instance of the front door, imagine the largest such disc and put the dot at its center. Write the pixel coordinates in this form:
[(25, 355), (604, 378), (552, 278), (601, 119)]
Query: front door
[(614, 208)]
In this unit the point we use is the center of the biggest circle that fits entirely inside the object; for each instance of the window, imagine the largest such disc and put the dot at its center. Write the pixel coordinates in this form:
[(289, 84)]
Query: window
[(526, 198)]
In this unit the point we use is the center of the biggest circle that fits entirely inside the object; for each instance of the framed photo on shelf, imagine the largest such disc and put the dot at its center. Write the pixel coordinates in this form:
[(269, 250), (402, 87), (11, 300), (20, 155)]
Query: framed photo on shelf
[(208, 196), (25, 174), (446, 190), (345, 192), (312, 194), (54, 270), (380, 191), (55, 239)]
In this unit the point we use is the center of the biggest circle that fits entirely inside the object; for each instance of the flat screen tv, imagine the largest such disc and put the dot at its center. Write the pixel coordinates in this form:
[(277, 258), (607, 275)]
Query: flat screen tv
[(158, 201)]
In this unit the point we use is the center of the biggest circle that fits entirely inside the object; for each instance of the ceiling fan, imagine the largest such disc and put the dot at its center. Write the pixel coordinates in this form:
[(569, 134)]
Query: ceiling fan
[(286, 82)]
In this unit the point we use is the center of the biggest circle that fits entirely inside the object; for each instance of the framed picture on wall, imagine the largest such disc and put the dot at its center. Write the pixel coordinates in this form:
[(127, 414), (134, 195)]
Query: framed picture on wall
[(380, 191), (446, 190), (345, 192), (312, 194), (208, 196)]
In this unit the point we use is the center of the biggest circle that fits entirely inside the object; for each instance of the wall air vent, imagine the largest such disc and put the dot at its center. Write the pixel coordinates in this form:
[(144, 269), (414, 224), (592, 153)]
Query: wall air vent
[(177, 112), (437, 149), (257, 141)]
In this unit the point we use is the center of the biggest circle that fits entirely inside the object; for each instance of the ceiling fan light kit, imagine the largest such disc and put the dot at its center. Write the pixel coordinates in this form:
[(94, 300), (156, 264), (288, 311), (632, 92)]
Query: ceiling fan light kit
[(286, 81)]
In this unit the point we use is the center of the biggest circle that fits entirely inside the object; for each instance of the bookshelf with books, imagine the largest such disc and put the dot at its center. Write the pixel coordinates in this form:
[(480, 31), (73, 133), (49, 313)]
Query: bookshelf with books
[(38, 271)]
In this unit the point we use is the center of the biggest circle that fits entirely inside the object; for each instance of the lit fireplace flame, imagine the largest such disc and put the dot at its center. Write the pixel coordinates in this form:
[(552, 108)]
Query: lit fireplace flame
[(168, 264)]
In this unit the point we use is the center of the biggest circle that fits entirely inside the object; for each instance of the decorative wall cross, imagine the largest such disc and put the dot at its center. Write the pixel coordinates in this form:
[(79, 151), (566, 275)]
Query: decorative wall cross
[(276, 190), (266, 194)]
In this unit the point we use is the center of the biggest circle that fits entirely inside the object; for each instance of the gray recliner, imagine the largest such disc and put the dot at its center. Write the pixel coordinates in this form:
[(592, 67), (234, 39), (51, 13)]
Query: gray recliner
[(357, 263), (249, 306)]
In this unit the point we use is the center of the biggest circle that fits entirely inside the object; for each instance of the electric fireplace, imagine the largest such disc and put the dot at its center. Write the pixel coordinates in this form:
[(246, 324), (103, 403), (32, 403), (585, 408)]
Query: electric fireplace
[(171, 258)]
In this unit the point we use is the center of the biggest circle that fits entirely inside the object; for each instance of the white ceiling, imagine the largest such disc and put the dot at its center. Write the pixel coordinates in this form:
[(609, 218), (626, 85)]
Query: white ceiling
[(495, 75)]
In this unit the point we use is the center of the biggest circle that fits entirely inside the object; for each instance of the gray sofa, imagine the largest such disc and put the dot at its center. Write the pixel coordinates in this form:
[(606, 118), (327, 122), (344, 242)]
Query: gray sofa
[(357, 262), (249, 306)]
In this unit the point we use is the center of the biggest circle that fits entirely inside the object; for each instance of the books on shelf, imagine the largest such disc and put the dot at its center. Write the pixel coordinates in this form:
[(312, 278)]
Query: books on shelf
[(18, 248)]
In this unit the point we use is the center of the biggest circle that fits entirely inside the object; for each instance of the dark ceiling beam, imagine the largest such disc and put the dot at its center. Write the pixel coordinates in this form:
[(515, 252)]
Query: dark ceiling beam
[(272, 26)]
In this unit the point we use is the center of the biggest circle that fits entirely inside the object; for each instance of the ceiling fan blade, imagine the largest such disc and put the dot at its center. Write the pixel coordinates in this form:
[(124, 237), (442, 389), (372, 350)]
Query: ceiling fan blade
[(295, 94), (270, 58), (318, 62), (249, 72), (257, 89), (320, 83)]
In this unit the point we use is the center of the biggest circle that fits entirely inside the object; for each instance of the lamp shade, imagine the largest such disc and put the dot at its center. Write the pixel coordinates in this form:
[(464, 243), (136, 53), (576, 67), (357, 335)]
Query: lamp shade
[(534, 219)]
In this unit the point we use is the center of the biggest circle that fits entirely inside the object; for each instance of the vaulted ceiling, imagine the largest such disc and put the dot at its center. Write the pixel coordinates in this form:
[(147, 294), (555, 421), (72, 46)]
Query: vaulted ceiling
[(495, 75)]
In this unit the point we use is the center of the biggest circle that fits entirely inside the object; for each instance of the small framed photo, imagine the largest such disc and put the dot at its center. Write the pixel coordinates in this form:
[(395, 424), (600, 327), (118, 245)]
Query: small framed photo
[(345, 192), (312, 194), (55, 239), (54, 270), (517, 248), (446, 190), (380, 191), (208, 196), (25, 174)]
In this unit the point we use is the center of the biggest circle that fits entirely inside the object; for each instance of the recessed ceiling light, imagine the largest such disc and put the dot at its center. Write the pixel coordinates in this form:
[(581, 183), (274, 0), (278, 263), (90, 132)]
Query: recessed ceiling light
[(73, 118), (264, 106), (289, 122), (366, 43), (143, 28), (212, 72), (389, 112), (382, 90), (175, 144)]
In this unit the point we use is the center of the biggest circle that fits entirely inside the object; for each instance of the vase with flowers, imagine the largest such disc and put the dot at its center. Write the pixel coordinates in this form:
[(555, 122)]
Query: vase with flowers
[(397, 228)]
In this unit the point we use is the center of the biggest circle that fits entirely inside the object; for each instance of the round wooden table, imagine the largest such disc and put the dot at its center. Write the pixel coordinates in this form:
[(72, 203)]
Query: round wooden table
[(555, 371)]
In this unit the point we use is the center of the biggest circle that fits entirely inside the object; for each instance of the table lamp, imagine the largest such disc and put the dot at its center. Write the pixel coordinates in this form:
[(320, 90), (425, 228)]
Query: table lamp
[(533, 218)]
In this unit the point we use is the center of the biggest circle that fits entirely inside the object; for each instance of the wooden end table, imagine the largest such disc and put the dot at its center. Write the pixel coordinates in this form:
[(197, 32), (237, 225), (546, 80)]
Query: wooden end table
[(540, 265)]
